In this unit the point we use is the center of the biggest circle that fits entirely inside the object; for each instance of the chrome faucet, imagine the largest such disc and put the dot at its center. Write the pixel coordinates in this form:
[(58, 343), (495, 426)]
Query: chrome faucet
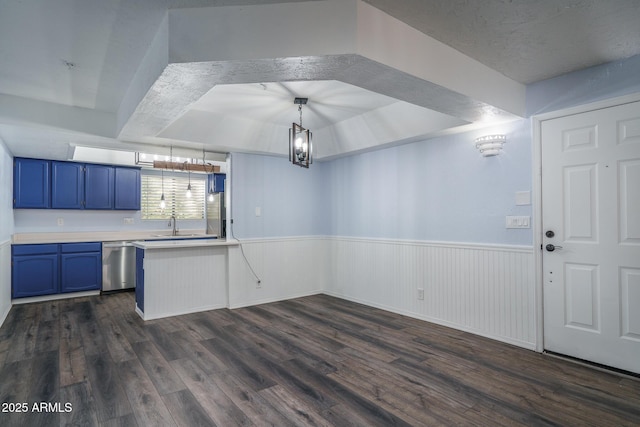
[(174, 230)]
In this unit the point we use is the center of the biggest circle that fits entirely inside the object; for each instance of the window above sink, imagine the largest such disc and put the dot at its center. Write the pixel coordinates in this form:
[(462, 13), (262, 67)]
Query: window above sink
[(174, 187)]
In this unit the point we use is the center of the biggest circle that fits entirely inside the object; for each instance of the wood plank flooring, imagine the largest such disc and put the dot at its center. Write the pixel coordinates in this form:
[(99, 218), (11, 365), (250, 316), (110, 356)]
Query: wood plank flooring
[(305, 362)]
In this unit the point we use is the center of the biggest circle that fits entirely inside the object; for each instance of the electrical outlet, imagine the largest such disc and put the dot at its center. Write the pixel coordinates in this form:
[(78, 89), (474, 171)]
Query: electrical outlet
[(420, 294), (259, 284), (60, 222), (128, 220)]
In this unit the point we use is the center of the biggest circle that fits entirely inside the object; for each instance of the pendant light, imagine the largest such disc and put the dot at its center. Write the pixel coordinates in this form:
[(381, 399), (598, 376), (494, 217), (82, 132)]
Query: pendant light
[(163, 203), (300, 145), (210, 196), (188, 186)]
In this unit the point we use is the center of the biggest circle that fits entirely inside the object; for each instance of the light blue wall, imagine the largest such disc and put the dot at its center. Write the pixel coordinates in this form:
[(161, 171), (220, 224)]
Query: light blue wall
[(581, 87), (441, 189), (438, 190), (293, 201), (6, 193)]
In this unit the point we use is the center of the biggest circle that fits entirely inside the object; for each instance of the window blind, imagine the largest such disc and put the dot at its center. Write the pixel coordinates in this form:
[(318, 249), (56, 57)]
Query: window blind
[(175, 196)]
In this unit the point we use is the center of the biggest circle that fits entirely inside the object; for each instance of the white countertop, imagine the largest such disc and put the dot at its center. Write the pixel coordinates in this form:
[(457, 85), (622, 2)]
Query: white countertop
[(104, 236), (184, 243)]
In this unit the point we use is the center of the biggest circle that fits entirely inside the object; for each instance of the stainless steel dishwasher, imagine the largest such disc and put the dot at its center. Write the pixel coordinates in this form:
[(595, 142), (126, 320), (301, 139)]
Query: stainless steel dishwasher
[(118, 266)]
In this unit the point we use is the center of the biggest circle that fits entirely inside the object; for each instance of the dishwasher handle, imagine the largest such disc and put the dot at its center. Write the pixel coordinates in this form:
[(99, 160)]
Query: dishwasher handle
[(117, 244)]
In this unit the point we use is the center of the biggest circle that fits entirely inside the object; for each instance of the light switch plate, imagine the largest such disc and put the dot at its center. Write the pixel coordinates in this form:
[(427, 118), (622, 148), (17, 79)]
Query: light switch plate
[(258, 211), (523, 198), (128, 220), (518, 222)]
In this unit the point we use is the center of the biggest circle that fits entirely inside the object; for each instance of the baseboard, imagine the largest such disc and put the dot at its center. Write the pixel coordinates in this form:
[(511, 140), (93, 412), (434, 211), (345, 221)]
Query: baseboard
[(177, 313), (4, 315), (54, 297), (5, 285), (517, 343), (275, 299)]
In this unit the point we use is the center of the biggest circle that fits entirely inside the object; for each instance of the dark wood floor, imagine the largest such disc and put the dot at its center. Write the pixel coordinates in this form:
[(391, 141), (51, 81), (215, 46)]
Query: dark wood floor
[(310, 361)]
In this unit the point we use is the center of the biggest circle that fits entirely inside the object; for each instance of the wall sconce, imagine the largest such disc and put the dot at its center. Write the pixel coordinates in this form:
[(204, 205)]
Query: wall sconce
[(490, 145)]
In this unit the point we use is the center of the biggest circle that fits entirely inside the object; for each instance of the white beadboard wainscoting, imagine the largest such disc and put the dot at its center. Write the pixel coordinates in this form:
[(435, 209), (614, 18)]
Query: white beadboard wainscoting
[(167, 288), (287, 267), (5, 280), (488, 290), (484, 289)]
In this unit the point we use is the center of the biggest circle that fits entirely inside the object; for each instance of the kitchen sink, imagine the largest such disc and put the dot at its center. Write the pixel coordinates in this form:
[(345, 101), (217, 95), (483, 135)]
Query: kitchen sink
[(180, 235)]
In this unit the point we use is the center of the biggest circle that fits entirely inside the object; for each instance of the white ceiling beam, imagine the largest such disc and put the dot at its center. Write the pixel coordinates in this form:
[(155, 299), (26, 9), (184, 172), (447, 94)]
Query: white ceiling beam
[(344, 40)]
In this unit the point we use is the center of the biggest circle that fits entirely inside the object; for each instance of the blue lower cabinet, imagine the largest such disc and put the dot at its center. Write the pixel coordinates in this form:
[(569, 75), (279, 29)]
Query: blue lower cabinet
[(34, 275), (54, 268), (80, 267)]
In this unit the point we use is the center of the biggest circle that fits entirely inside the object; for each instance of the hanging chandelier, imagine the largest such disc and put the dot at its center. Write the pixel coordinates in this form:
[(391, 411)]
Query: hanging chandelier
[(300, 145)]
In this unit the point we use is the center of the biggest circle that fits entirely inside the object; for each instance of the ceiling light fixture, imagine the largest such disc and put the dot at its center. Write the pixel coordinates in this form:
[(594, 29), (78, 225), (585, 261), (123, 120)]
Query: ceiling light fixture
[(163, 203), (210, 196), (300, 145), (188, 186), (490, 145)]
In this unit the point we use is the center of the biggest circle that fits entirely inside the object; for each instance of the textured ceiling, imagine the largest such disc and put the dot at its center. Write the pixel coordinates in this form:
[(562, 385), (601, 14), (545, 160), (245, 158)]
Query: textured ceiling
[(527, 40), (114, 73)]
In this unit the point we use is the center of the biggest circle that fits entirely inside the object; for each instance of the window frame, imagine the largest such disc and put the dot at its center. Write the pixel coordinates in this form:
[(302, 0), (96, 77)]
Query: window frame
[(175, 187)]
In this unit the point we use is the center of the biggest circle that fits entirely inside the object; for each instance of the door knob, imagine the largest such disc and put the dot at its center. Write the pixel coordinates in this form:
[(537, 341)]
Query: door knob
[(552, 248)]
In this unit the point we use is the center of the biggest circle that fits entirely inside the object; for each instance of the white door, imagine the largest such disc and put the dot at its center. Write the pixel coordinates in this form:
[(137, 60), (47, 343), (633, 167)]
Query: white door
[(591, 215)]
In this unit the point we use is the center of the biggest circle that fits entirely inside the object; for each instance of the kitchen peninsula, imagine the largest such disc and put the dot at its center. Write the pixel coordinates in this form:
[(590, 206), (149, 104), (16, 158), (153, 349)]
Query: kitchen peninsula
[(176, 277)]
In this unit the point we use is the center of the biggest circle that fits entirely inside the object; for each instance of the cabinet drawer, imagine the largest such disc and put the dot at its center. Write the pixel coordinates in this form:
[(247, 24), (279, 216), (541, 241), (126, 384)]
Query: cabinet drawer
[(66, 248), (34, 249)]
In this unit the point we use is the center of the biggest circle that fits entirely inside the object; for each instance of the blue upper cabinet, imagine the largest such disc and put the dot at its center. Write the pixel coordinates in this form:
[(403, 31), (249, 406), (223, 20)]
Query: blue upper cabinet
[(31, 183), (216, 182), (99, 187), (42, 184), (67, 185), (127, 188)]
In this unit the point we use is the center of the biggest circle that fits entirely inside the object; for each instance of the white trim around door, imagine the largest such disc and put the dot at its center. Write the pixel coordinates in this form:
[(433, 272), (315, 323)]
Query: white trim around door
[(537, 194)]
